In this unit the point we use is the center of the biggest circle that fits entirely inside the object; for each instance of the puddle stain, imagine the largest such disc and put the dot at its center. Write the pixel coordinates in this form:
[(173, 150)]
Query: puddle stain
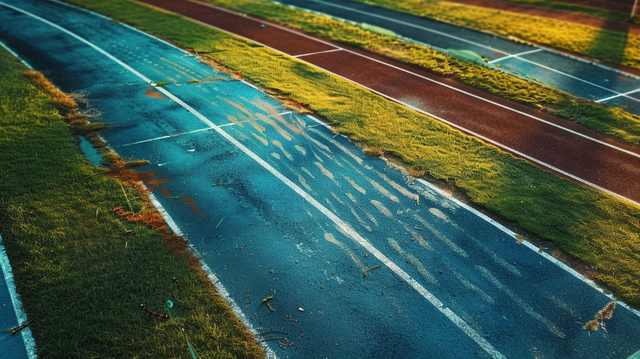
[(330, 205), (562, 305), (384, 210), (454, 247), (518, 301), (495, 257), (234, 119), (355, 185), (301, 150), (327, 173), (275, 155), (337, 198), (261, 139), (248, 115), (384, 191), (189, 200), (316, 142), (285, 152), (307, 172), (149, 91), (371, 218), (329, 237), (338, 145), (436, 212), (359, 219), (397, 186), (304, 184), (414, 261), (467, 284), (273, 112), (274, 125), (318, 157)]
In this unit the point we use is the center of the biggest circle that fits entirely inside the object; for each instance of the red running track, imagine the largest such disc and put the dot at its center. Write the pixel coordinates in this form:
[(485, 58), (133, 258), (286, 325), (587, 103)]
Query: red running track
[(552, 143)]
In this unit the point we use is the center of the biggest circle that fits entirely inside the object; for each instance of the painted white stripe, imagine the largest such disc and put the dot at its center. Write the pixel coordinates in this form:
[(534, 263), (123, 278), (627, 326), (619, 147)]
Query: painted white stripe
[(485, 345), (472, 43), (15, 55), (400, 69), (624, 94), (316, 53), (213, 278), (27, 338), (169, 136), (510, 56)]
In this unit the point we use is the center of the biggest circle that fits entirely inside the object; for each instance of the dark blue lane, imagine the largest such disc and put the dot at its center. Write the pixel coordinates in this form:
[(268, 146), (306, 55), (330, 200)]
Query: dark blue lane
[(278, 206), (583, 78), (12, 346)]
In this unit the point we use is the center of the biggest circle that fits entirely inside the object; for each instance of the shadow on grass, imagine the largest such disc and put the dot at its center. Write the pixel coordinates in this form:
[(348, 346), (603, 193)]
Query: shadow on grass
[(609, 45)]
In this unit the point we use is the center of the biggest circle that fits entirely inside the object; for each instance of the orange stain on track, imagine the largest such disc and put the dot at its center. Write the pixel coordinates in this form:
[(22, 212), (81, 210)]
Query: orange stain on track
[(153, 93), (193, 206)]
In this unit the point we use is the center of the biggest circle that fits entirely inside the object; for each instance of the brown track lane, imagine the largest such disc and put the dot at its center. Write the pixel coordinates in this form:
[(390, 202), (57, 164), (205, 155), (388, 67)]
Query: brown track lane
[(603, 166)]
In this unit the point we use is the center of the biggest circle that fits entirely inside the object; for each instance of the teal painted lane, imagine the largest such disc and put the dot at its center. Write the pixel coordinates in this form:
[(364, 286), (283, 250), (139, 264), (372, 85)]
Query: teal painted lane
[(278, 205), (20, 345), (583, 78)]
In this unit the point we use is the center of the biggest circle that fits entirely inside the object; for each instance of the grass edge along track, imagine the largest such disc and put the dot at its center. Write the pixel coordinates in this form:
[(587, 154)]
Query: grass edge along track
[(599, 229), (86, 246)]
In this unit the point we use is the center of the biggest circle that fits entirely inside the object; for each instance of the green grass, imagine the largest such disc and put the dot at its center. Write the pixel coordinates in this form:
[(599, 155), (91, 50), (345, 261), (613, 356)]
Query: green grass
[(82, 273), (592, 11), (555, 33), (597, 228)]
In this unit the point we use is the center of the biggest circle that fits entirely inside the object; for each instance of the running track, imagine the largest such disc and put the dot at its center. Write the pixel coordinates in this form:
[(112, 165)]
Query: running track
[(566, 148)]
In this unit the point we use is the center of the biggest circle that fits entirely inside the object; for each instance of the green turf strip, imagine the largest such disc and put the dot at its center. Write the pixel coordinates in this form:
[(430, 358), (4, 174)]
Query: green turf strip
[(599, 229), (81, 272), (599, 117)]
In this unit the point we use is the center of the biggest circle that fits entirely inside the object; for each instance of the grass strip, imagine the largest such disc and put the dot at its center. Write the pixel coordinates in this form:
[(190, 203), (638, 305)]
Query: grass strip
[(599, 117), (597, 228), (592, 11), (83, 272), (613, 46)]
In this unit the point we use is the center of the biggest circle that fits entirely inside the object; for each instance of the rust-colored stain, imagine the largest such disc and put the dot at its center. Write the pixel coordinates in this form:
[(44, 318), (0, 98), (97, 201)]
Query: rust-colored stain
[(153, 93), (154, 184), (193, 206)]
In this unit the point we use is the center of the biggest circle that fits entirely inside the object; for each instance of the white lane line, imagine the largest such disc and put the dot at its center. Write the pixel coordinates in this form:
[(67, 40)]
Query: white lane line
[(27, 338), (485, 345), (514, 55), (618, 95), (285, 113), (472, 43), (396, 68), (15, 55), (412, 25), (168, 136), (316, 53)]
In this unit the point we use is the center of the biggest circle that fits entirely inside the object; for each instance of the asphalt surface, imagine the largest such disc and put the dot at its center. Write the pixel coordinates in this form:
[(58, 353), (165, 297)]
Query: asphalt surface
[(552, 143), (582, 78), (278, 206), (12, 316)]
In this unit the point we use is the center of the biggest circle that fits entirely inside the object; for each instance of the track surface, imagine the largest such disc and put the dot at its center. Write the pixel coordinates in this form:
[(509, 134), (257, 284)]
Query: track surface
[(299, 215), (598, 83), (514, 127), (11, 346)]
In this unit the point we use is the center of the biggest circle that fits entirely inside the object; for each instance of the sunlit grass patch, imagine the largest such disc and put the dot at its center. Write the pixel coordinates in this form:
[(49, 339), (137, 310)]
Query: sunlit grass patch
[(82, 271)]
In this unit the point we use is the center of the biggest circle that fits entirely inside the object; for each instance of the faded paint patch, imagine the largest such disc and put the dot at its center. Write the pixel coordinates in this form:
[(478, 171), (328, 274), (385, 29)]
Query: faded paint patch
[(436, 212), (384, 210), (189, 200), (275, 126), (153, 93), (285, 152), (234, 119), (384, 191), (355, 185)]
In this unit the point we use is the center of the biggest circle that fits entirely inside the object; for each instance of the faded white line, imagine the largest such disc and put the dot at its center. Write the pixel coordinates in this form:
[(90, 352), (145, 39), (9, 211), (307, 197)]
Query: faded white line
[(409, 72), (15, 55), (514, 55), (169, 136), (27, 338), (317, 53), (612, 97), (485, 345)]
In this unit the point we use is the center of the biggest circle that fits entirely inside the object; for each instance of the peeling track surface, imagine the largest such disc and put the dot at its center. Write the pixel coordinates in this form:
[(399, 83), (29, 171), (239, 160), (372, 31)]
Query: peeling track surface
[(276, 206), (552, 143)]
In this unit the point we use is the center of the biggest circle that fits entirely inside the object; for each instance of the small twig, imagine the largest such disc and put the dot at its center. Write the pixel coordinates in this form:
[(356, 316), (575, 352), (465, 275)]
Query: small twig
[(217, 184), (268, 305), (374, 267), (278, 338), (336, 135), (220, 221), (418, 228)]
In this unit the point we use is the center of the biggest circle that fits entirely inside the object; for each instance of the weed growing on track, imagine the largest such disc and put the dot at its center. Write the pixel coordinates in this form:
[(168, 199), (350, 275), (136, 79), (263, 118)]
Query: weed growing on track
[(595, 227), (82, 273), (602, 118)]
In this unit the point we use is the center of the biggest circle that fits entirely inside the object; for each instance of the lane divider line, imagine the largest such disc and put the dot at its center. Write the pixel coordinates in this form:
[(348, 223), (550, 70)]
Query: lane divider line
[(624, 94), (168, 136), (484, 344), (394, 67), (15, 55), (21, 316), (470, 42), (514, 55), (317, 53)]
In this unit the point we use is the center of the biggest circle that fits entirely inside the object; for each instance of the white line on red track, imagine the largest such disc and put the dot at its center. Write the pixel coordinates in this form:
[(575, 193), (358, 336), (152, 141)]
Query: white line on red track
[(459, 322)]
